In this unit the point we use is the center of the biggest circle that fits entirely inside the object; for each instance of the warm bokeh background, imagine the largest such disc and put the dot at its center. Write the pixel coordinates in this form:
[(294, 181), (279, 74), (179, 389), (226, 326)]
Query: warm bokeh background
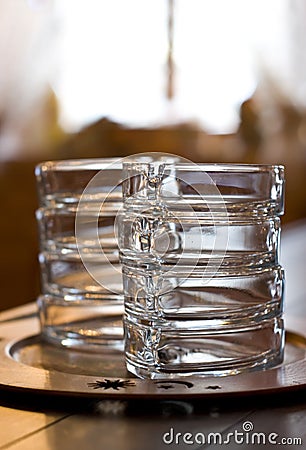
[(66, 94)]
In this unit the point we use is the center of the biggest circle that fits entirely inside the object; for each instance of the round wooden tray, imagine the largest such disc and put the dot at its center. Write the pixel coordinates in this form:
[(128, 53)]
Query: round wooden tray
[(29, 364)]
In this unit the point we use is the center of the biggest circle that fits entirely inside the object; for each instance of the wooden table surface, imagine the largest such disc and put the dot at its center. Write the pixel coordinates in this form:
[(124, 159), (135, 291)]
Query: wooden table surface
[(28, 422)]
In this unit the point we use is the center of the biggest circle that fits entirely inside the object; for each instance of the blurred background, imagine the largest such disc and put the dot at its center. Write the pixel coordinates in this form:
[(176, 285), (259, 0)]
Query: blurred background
[(211, 80)]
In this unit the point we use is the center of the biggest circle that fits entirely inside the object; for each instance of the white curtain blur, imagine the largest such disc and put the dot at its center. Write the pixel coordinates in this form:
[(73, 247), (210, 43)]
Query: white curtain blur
[(28, 31), (109, 58)]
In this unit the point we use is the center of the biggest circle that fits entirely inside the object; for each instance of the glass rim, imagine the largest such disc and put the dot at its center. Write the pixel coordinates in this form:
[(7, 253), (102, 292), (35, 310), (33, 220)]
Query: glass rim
[(102, 163), (210, 167), (118, 163), (67, 165)]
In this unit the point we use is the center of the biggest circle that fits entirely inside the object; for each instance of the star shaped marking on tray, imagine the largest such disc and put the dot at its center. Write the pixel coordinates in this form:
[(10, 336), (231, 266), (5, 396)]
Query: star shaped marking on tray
[(111, 384)]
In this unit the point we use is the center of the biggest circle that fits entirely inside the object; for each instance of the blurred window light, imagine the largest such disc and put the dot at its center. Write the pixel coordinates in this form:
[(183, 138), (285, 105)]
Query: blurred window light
[(113, 59)]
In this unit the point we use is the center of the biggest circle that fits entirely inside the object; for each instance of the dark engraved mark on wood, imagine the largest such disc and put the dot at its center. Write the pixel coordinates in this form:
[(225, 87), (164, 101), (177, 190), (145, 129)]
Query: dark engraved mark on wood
[(111, 384), (169, 384)]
